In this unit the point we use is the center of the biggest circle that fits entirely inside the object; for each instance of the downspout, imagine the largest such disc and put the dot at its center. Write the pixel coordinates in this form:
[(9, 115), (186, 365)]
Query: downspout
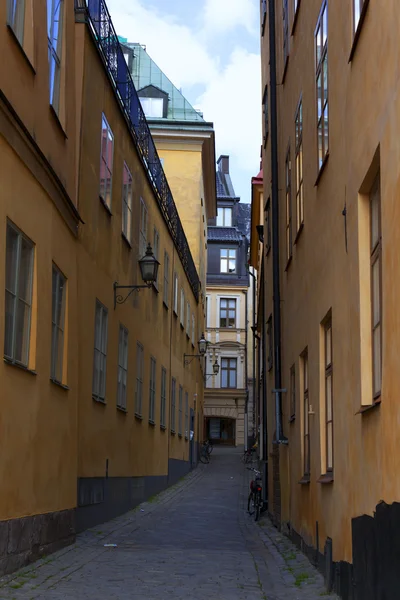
[(254, 347), (246, 411), (275, 227)]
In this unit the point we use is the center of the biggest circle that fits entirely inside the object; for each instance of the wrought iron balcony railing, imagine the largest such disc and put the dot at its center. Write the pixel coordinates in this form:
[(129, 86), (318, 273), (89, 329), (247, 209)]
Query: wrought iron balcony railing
[(99, 21)]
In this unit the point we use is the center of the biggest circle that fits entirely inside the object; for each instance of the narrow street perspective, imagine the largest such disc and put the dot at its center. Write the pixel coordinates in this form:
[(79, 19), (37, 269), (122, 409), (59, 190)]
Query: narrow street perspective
[(194, 541)]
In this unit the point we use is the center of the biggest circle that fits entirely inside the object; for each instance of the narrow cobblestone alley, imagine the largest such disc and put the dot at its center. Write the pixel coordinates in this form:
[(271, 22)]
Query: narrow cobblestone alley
[(194, 541)]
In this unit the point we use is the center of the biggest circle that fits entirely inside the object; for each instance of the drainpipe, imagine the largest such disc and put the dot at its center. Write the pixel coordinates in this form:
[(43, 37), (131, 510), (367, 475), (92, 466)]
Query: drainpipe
[(275, 227), (246, 411), (254, 346)]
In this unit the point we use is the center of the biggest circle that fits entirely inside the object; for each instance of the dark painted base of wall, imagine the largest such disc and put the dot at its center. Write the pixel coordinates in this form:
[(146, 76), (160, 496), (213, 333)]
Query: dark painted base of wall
[(101, 499), (24, 540)]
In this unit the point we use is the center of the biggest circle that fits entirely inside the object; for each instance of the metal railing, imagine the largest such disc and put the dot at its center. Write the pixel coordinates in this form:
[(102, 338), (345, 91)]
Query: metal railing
[(99, 21)]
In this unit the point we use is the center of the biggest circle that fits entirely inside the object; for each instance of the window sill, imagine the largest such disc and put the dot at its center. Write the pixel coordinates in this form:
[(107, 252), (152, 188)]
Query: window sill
[(122, 410), (165, 305), (12, 363), (186, 438), (58, 122), (289, 262), (59, 384), (322, 169), (358, 30), (127, 242), (298, 234), (179, 435), (175, 313), (99, 400), (152, 423), (182, 327), (108, 209), (163, 428), (295, 18), (292, 419), (138, 417), (24, 54), (366, 408), (305, 480), (173, 432), (326, 478), (155, 288)]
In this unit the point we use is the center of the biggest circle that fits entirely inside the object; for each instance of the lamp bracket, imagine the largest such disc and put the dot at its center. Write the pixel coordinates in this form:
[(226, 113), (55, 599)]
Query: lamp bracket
[(191, 356), (120, 299)]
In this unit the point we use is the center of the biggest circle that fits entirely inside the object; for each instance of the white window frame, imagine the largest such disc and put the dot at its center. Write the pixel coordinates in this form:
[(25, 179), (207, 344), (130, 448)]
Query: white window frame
[(127, 203), (151, 107), (139, 379), (152, 390), (55, 41), (143, 227), (224, 216), (100, 352), (173, 405), (193, 330), (299, 165), (182, 318), (163, 402), (180, 410), (122, 367), (59, 285), (16, 18), (105, 191), (188, 319), (166, 279), (230, 360), (176, 291), (15, 298), (228, 299), (230, 256), (322, 90), (156, 251)]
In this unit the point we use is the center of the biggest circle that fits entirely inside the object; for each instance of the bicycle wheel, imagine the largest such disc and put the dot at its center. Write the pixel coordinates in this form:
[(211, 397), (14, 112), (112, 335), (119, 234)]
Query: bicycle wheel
[(250, 504), (204, 457), (210, 448), (257, 506)]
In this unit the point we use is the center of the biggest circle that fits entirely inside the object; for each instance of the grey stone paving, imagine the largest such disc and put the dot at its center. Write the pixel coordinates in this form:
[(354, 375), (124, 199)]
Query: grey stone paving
[(194, 541)]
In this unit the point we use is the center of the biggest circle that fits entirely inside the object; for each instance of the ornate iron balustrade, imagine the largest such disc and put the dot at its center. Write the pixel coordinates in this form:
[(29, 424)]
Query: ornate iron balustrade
[(99, 21)]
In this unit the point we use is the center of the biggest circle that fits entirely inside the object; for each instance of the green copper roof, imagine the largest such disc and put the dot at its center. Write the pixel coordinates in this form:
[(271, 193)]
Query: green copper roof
[(145, 72)]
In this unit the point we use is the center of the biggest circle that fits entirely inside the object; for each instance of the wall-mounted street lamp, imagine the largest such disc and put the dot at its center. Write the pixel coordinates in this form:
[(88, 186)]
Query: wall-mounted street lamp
[(148, 269), (215, 371), (202, 344)]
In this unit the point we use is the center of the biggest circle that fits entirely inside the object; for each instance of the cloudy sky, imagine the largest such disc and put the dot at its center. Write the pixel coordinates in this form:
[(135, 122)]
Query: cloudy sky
[(209, 49)]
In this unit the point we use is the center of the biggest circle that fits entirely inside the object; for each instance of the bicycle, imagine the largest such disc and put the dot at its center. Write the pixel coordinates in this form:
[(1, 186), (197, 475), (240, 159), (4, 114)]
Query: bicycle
[(204, 454), (249, 455), (254, 502), (209, 446)]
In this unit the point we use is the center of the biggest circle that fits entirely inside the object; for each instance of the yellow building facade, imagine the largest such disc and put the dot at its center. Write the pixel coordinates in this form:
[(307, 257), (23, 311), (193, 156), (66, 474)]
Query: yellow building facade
[(331, 470)]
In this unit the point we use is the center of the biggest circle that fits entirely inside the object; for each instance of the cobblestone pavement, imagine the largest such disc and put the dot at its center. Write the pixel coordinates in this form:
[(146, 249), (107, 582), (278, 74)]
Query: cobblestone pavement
[(194, 541)]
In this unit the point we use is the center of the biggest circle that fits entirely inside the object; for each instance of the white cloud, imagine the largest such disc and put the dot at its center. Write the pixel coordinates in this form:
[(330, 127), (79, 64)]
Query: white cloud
[(225, 15)]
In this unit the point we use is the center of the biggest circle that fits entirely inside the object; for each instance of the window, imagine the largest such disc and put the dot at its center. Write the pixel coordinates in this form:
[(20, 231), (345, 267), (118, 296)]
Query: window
[(175, 293), (376, 286), (270, 344), (122, 367), (173, 404), (268, 225), (139, 379), (193, 330), (100, 352), (263, 15), (127, 203), (163, 397), (224, 217), (106, 162), (295, 5), (299, 166), (186, 415), (306, 417), (16, 18), (207, 311), (143, 228), (182, 307), (288, 183), (227, 312), (328, 396), (188, 319), (156, 251), (228, 261), (285, 32), (292, 392), (166, 279), (19, 276), (266, 114), (55, 10), (152, 390), (57, 325), (358, 7), (321, 63), (228, 372), (180, 410), (153, 107)]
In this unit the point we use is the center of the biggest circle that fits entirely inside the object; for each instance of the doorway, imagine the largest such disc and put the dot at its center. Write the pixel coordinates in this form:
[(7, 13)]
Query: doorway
[(221, 431)]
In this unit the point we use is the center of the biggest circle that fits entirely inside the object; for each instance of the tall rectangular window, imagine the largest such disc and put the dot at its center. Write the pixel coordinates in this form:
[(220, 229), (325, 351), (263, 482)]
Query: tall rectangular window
[(180, 408), (59, 284), (299, 166), (55, 9), (268, 240), (270, 343), (143, 228), (285, 32), (18, 309), (193, 330), (228, 372), (263, 15), (306, 417), (266, 114), (106, 162), (152, 390), (122, 367), (139, 379), (376, 285), (16, 18), (224, 217), (186, 415), (292, 392), (100, 352), (288, 185), (156, 251), (358, 6), (228, 261), (173, 405), (175, 293), (328, 395), (227, 312), (166, 279), (182, 307), (163, 398), (188, 319), (127, 204), (321, 75)]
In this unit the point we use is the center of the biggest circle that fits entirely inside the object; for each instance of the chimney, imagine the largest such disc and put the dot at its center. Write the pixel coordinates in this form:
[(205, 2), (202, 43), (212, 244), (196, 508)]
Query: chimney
[(223, 164)]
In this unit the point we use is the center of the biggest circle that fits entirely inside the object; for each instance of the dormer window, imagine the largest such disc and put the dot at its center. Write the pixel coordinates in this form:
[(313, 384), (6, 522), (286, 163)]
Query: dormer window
[(153, 107), (224, 217)]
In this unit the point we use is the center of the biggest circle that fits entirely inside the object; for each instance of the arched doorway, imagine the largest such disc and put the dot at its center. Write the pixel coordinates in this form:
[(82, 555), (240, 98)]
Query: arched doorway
[(221, 430)]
